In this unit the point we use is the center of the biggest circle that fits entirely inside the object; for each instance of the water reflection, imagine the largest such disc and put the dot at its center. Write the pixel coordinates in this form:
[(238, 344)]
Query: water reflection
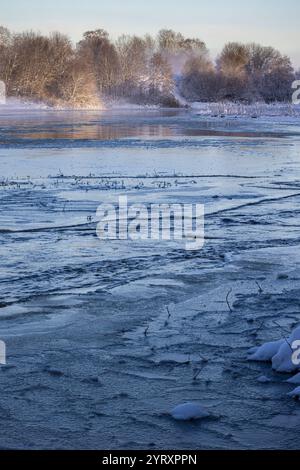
[(115, 125)]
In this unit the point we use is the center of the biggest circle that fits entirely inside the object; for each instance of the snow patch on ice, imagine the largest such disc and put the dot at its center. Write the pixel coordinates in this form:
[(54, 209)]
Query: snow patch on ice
[(188, 412)]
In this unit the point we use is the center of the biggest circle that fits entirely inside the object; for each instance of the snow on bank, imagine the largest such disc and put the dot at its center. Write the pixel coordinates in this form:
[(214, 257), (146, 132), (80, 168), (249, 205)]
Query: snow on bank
[(200, 108), (250, 110), (123, 105), (16, 104)]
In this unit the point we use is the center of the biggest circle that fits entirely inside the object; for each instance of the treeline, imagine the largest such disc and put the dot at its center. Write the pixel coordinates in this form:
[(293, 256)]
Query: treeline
[(143, 70)]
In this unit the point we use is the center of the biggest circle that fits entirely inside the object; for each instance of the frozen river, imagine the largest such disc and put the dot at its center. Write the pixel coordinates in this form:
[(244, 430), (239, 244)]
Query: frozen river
[(104, 338)]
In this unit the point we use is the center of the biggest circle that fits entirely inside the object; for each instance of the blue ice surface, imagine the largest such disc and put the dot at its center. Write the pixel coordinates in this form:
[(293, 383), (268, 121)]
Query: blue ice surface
[(95, 358)]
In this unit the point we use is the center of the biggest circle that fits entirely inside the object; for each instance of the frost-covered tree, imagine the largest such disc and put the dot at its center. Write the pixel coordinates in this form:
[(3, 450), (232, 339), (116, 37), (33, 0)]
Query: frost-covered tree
[(233, 60), (253, 72), (158, 84), (5, 37), (134, 55), (99, 56), (139, 69), (7, 58), (233, 78), (79, 87), (177, 49), (38, 63), (270, 73), (42, 68), (199, 79), (160, 75)]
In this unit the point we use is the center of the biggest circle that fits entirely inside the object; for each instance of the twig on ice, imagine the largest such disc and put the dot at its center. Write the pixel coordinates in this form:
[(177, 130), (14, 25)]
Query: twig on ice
[(197, 372), (146, 331), (259, 287), (227, 301), (279, 326)]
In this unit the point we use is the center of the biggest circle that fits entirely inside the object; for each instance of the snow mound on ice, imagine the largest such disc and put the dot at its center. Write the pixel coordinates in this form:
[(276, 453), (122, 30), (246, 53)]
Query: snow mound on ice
[(295, 393), (279, 352), (189, 411), (282, 361), (263, 379), (266, 352), (295, 379)]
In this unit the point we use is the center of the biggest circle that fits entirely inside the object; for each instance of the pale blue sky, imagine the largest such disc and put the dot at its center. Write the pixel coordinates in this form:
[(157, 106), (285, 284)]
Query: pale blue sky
[(270, 22)]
